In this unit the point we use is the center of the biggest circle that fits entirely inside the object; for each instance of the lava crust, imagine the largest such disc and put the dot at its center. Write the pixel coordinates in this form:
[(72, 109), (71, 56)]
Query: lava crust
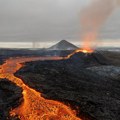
[(71, 82)]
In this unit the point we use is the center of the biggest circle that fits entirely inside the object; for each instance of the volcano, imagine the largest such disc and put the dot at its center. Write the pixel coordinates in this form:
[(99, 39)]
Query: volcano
[(63, 45)]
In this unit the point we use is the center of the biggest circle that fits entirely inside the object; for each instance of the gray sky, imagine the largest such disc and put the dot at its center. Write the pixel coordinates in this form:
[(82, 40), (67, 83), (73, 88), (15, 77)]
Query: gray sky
[(48, 20)]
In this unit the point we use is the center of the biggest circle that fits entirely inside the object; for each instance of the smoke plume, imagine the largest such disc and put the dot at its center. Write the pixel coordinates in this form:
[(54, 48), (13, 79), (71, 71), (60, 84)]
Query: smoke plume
[(92, 18)]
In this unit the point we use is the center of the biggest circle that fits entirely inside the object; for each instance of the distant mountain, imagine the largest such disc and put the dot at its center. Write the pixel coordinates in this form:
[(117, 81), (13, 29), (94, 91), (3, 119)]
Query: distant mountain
[(63, 45)]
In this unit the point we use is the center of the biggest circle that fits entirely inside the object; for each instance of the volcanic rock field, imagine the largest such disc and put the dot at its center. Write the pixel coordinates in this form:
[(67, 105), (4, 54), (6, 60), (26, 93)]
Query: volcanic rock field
[(88, 83)]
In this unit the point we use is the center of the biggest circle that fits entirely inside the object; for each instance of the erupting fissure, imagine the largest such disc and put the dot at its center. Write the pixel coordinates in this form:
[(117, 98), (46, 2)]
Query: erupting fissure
[(34, 106), (86, 51)]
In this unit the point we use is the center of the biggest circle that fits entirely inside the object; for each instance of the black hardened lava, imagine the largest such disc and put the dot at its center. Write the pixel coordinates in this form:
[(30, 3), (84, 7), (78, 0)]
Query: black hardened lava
[(94, 96), (10, 97)]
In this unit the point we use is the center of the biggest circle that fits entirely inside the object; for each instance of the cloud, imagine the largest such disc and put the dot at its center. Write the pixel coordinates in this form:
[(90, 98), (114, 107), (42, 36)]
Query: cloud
[(40, 20)]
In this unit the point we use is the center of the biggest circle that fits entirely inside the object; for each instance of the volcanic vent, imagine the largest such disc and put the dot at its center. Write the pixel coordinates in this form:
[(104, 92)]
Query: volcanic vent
[(86, 58)]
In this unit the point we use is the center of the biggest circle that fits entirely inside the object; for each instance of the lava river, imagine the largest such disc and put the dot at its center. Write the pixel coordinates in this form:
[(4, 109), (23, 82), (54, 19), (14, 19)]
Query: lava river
[(34, 106)]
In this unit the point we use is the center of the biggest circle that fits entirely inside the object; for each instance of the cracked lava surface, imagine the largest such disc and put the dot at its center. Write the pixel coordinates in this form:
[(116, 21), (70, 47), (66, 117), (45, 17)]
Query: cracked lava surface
[(34, 106)]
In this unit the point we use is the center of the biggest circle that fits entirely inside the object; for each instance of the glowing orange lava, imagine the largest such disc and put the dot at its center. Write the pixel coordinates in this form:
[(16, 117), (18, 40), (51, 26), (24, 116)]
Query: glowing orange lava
[(86, 51), (34, 107)]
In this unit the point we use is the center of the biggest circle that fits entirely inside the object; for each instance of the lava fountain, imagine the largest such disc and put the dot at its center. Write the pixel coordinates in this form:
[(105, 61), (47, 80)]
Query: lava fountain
[(92, 17), (34, 106)]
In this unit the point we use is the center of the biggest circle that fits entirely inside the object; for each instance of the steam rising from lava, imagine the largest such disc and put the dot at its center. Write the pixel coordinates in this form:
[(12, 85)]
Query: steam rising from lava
[(92, 18)]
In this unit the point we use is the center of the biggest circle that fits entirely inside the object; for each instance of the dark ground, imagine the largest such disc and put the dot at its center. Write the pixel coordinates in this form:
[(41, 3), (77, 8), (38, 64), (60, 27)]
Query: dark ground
[(6, 53), (10, 97), (90, 84), (78, 82)]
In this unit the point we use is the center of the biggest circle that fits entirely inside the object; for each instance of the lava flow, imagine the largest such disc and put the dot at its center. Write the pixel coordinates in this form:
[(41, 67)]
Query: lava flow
[(34, 106), (86, 51)]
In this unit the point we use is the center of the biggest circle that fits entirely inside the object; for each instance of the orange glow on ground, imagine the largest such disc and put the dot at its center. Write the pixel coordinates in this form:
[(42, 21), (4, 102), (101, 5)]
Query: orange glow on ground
[(86, 51), (34, 107)]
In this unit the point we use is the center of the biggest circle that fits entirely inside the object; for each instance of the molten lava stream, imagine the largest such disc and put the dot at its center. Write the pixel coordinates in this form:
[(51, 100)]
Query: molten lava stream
[(86, 51), (34, 107)]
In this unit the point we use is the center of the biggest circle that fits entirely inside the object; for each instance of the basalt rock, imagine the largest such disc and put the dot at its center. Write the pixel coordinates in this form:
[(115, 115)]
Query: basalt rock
[(70, 81), (109, 71), (10, 97), (88, 59)]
